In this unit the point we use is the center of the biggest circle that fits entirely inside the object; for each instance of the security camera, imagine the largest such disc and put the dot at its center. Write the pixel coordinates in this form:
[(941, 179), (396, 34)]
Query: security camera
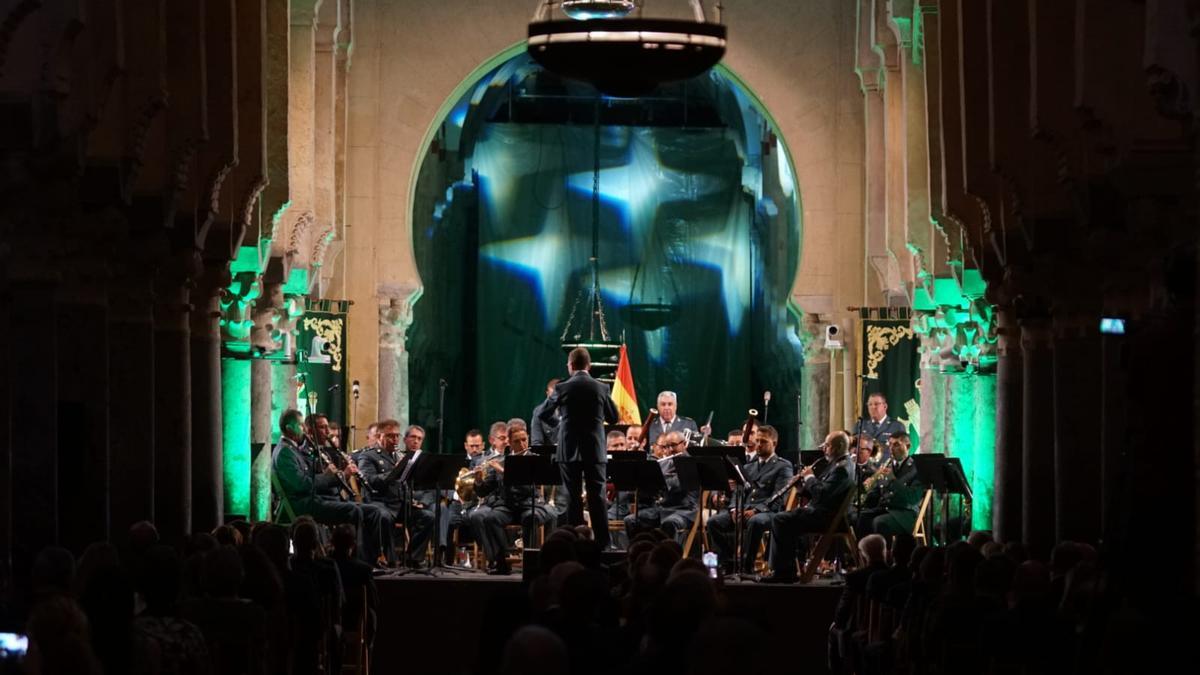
[(833, 337)]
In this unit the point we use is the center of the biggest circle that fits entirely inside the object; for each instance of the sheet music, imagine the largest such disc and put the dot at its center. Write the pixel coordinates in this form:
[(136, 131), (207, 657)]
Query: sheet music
[(412, 460)]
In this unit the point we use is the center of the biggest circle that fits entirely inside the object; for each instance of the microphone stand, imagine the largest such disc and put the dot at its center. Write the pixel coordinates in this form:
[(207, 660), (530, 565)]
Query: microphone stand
[(437, 566)]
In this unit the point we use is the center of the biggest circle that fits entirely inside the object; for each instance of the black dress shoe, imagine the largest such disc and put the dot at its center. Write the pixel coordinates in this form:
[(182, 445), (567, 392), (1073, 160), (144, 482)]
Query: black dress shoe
[(778, 579), (501, 570)]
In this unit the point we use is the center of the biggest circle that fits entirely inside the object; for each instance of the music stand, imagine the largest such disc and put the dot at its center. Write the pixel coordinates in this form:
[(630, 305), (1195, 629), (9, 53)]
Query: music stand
[(438, 473), (792, 456), (530, 470), (407, 472), (956, 484), (632, 472), (931, 472), (733, 457), (703, 474)]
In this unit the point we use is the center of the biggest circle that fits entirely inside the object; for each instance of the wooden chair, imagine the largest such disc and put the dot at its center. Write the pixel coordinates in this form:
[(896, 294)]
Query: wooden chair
[(839, 529), (282, 514), (760, 562)]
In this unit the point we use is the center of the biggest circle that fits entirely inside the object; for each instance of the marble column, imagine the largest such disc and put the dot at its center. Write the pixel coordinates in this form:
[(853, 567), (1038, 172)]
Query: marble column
[(983, 476), (930, 427), (261, 437), (208, 490), (83, 395), (1076, 430), (131, 413), (264, 413), (172, 412), (395, 316), (235, 431), (814, 402), (33, 415), (1037, 438), (1006, 514)]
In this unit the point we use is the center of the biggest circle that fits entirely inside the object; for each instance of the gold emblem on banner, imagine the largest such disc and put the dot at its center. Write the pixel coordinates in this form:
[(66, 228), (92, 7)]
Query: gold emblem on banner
[(879, 340), (329, 330)]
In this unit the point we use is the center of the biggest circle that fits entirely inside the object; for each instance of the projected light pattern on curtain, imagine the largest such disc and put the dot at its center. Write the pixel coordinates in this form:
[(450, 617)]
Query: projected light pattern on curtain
[(697, 221)]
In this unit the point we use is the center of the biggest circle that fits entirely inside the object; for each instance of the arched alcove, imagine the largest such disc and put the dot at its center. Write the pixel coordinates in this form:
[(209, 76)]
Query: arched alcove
[(699, 239)]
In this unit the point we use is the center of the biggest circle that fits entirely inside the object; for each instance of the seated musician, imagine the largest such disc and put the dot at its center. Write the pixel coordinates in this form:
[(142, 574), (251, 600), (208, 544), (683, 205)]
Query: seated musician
[(376, 466), (454, 515), (864, 468), (767, 475), (303, 477), (675, 510), (900, 493), (506, 505), (633, 437), (320, 430), (826, 495)]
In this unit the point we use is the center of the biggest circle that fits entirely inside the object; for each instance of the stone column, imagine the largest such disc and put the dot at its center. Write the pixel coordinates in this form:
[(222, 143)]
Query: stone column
[(931, 396), (1006, 514), (395, 316), (261, 426), (172, 412), (33, 415), (814, 392), (131, 412), (264, 415), (236, 353), (83, 394), (983, 477), (208, 493), (1037, 438), (1076, 429)]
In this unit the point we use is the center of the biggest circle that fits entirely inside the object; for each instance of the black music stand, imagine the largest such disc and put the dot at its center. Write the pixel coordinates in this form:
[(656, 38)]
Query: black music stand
[(792, 456), (956, 484), (733, 457), (700, 474), (438, 473), (931, 472), (408, 471), (531, 470), (544, 450), (632, 472)]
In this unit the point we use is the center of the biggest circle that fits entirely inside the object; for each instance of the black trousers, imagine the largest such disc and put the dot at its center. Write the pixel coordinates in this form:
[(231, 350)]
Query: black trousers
[(721, 534), (373, 523), (489, 524), (885, 522), (573, 475)]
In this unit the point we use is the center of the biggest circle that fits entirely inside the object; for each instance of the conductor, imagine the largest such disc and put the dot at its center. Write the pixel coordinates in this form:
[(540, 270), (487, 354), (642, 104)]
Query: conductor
[(584, 405)]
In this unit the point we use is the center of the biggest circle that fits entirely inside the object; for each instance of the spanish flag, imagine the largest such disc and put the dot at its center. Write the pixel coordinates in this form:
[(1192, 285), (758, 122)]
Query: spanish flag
[(623, 394)]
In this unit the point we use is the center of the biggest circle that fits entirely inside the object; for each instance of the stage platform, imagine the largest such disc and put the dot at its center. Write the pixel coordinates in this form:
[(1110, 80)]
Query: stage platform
[(457, 624)]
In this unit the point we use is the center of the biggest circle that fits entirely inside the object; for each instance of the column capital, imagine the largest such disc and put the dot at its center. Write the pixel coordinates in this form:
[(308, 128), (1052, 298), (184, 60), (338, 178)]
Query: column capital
[(237, 298), (395, 314)]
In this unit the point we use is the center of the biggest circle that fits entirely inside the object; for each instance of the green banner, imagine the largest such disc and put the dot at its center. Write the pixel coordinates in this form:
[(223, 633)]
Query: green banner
[(888, 364), (321, 359)]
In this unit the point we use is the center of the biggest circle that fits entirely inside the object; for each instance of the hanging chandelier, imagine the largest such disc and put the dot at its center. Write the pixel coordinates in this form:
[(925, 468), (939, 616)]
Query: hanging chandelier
[(623, 55)]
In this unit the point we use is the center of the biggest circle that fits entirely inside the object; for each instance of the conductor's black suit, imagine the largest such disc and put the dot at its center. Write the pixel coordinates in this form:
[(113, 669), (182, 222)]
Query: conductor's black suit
[(584, 405)]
